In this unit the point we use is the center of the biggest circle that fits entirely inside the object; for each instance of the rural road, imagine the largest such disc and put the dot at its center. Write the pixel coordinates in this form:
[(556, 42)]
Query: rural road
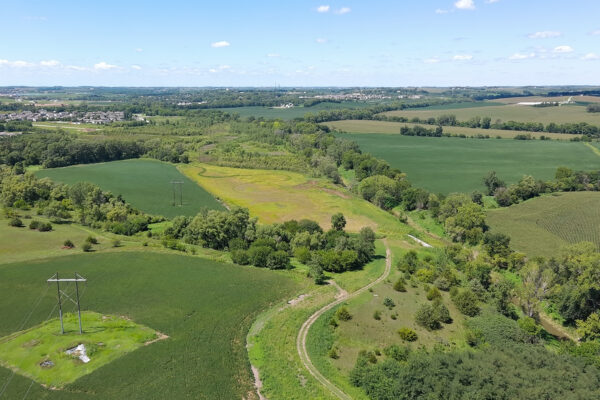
[(303, 334)]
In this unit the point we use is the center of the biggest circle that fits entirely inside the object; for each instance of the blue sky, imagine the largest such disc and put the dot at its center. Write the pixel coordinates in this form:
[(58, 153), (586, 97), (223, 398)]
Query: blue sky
[(300, 43)]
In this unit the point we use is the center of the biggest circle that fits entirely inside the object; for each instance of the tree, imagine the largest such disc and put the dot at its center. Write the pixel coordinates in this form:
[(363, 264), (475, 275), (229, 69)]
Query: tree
[(466, 302), (537, 281), (589, 329), (343, 314), (492, 182), (338, 222), (427, 317), (496, 244)]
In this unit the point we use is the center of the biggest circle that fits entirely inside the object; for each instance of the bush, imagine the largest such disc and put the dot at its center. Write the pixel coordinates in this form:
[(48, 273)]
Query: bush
[(333, 353), (377, 315), (343, 314), (389, 303), (433, 293), (86, 247), (259, 255), (398, 353), (428, 317), (91, 240), (116, 243), (278, 260), (45, 227), (240, 257), (399, 286), (302, 254), (442, 313), (16, 222), (68, 244), (466, 302), (407, 334), (34, 224)]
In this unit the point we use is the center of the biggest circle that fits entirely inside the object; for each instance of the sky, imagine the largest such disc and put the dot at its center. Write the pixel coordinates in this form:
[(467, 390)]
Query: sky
[(300, 43)]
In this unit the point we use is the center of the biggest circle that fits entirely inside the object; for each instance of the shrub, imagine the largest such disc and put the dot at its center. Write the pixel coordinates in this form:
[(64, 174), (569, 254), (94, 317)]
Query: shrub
[(377, 315), (34, 224), (116, 243), (389, 303), (442, 283), (427, 317), (466, 302), (529, 325), (302, 254), (47, 227), (86, 247), (343, 314), (425, 275), (68, 244), (237, 244), (333, 353), (259, 255), (433, 293), (91, 240), (399, 286), (407, 334), (16, 222), (442, 313), (278, 260), (240, 257), (398, 353)]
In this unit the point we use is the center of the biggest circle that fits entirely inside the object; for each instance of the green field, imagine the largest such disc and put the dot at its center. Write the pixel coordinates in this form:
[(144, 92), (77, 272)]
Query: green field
[(145, 184), (541, 226), (369, 126), (508, 112), (205, 307), (459, 165), (291, 113)]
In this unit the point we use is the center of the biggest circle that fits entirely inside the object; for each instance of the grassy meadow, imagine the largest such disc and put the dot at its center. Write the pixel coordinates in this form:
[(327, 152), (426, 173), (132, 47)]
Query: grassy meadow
[(277, 196), (205, 307), (145, 184), (368, 126), (541, 226), (509, 112), (459, 165)]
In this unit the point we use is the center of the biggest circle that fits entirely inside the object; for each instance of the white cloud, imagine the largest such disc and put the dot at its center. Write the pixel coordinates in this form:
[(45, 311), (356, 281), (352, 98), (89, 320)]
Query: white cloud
[(563, 49), (440, 11), (491, 1), (219, 69), (103, 66), (343, 10), (222, 43), (432, 60), (273, 55), (544, 35), (136, 67), (595, 33), (49, 63), (321, 40), (521, 56), (591, 56), (139, 50), (16, 64), (465, 5), (323, 9), (76, 68), (462, 57)]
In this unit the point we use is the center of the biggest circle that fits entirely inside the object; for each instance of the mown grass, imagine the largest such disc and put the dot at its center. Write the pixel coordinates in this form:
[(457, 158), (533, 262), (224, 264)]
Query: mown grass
[(106, 338), (145, 184), (459, 165), (205, 307), (541, 226), (510, 112), (277, 196), (368, 126)]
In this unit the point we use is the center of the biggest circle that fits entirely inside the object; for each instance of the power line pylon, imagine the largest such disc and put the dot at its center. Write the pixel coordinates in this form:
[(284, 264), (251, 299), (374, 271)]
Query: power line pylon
[(78, 278)]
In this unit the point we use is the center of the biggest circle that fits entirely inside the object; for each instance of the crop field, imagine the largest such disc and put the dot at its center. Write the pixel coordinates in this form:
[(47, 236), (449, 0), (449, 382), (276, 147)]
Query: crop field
[(204, 307), (368, 126), (510, 112), (459, 165), (576, 99), (277, 196), (291, 113), (541, 226), (146, 184)]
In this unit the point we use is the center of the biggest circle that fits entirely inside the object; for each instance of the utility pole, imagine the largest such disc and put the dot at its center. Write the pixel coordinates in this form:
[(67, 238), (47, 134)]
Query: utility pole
[(177, 186), (78, 278)]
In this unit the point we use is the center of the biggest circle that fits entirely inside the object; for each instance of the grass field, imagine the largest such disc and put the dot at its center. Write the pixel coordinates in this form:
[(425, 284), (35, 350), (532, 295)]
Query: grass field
[(541, 226), (145, 184), (577, 99), (368, 126), (459, 165), (509, 112), (277, 196), (205, 308), (106, 338), (291, 113)]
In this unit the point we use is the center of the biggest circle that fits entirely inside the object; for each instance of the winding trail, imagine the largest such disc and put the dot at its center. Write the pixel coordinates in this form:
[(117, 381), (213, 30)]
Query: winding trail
[(303, 334)]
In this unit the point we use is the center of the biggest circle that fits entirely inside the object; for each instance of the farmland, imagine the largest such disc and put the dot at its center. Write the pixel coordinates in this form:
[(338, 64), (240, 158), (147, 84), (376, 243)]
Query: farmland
[(458, 165), (146, 184), (509, 112), (367, 126), (204, 307), (278, 196), (541, 226), (290, 113)]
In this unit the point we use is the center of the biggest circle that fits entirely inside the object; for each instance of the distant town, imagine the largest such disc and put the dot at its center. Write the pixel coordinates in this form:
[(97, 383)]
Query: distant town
[(95, 117)]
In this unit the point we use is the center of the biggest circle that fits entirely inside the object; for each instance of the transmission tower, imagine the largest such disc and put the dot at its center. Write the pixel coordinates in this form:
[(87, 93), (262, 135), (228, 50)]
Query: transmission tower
[(78, 278), (177, 188)]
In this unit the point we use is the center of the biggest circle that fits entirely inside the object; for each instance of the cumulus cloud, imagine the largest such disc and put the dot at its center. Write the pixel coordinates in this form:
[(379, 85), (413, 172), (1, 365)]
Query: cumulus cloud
[(521, 56), (465, 5), (323, 9), (76, 68), (343, 10), (49, 63), (103, 66), (222, 43), (16, 64), (591, 56), (544, 35), (563, 49), (462, 57), (136, 67), (321, 40)]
